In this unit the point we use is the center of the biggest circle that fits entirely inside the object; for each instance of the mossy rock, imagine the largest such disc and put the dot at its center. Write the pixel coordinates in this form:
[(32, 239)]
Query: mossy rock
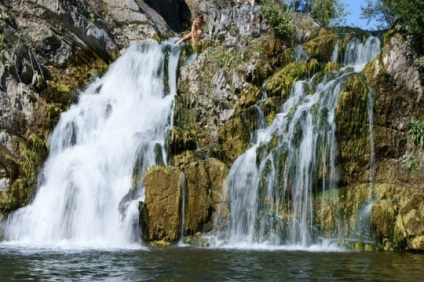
[(233, 140), (322, 46), (182, 140), (205, 186), (160, 244), (160, 214), (353, 130), (331, 67), (281, 83), (249, 95), (61, 88), (271, 107), (382, 221)]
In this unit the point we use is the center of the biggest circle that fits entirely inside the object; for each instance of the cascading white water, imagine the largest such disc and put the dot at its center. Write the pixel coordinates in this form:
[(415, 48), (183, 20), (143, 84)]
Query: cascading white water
[(100, 148), (300, 55), (270, 185)]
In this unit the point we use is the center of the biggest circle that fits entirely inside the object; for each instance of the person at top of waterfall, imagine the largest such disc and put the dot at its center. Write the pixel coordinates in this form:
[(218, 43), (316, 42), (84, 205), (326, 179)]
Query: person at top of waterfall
[(251, 2), (196, 30)]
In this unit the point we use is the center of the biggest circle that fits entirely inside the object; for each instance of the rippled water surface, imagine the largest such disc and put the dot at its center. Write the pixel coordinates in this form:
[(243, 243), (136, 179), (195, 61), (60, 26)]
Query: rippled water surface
[(178, 264)]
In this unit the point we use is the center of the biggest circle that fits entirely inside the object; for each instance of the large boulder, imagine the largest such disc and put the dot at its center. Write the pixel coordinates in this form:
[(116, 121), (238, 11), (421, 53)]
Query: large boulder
[(205, 193), (160, 215)]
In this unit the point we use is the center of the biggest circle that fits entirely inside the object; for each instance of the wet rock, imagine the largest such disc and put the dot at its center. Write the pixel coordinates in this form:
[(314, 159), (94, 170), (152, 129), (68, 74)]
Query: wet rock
[(382, 220), (160, 213), (353, 137), (322, 46), (205, 191), (409, 226)]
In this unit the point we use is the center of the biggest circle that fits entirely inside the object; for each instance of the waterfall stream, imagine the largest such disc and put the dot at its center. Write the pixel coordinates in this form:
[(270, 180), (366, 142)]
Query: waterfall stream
[(270, 186), (90, 185)]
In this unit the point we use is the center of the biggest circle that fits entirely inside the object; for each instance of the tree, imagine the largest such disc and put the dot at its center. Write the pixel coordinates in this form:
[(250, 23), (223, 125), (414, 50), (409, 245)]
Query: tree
[(325, 12), (379, 11), (406, 16)]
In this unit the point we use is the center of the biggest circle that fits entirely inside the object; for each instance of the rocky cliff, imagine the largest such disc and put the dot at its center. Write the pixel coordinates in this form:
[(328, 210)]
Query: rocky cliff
[(51, 48)]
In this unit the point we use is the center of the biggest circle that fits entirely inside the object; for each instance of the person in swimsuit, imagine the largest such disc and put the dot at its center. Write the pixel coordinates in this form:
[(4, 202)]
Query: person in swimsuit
[(196, 30)]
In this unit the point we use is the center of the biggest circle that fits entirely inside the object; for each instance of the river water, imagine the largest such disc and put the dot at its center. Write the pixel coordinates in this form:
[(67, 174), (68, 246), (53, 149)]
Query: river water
[(196, 264)]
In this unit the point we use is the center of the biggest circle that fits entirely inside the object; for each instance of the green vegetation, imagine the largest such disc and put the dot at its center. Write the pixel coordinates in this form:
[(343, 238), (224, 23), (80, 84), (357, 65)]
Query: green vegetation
[(4, 16), (279, 17), (326, 12), (404, 15), (416, 133)]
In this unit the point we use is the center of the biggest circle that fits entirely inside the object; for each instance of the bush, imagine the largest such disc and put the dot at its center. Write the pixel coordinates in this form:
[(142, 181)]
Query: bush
[(278, 17)]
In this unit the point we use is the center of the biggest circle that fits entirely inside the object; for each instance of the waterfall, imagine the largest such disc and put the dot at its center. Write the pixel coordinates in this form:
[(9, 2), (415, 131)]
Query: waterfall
[(300, 55), (270, 186), (90, 185)]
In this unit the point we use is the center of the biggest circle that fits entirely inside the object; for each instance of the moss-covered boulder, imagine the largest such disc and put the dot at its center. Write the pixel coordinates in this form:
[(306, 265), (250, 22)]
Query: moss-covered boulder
[(160, 214), (205, 187), (409, 225), (197, 186), (322, 46)]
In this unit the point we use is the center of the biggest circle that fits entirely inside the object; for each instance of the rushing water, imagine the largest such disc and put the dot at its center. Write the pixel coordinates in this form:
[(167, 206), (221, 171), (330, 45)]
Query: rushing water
[(102, 145), (271, 185), (190, 264)]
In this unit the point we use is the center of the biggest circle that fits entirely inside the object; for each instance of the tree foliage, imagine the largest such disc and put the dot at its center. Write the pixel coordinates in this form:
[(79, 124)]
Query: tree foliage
[(404, 15), (326, 12), (279, 17)]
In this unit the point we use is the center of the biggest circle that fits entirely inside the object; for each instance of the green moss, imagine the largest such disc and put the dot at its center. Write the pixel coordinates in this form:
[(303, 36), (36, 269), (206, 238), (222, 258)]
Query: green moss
[(233, 140), (64, 83), (352, 125), (270, 107), (321, 47), (249, 95), (387, 36), (160, 244), (331, 67), (281, 83)]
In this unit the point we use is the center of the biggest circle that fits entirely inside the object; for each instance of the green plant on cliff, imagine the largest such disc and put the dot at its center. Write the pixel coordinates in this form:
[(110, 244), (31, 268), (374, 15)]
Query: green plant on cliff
[(4, 16), (416, 133), (419, 64), (279, 17), (33, 153)]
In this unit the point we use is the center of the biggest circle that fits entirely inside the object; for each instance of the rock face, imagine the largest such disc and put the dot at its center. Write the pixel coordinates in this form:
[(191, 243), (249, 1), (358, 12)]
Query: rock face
[(160, 215), (199, 187), (394, 215), (205, 191)]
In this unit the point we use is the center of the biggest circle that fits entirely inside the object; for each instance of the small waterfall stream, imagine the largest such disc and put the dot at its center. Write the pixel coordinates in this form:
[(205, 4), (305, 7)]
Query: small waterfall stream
[(270, 186), (90, 185)]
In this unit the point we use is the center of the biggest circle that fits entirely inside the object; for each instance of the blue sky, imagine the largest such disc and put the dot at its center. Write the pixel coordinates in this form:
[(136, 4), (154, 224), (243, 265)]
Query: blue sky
[(353, 7)]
